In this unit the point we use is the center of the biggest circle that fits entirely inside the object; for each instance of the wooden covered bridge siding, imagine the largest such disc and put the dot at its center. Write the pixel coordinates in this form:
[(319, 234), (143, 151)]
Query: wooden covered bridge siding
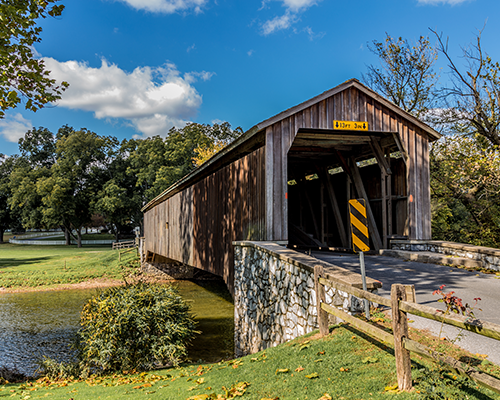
[(243, 192), (410, 184), (205, 218)]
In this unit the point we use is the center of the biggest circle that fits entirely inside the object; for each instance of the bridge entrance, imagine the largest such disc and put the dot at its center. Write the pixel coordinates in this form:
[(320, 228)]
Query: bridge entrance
[(327, 167)]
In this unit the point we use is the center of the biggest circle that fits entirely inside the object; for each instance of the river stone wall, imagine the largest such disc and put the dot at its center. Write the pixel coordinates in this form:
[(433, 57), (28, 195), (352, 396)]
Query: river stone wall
[(167, 270), (274, 296), (489, 257)]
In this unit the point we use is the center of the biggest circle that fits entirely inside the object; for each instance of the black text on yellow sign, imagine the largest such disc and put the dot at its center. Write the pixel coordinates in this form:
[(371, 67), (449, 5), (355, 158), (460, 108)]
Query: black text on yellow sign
[(359, 225), (350, 125)]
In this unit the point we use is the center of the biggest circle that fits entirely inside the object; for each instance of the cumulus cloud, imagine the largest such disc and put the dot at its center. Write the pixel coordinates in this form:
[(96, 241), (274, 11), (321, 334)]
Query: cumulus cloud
[(13, 127), (436, 2), (292, 10), (151, 100), (166, 6)]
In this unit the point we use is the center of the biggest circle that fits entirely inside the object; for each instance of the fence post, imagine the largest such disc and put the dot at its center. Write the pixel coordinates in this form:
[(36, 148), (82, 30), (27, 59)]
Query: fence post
[(400, 329), (320, 297)]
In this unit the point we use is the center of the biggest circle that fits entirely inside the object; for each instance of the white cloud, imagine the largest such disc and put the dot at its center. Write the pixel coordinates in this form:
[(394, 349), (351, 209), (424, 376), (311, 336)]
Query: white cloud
[(277, 24), (152, 100), (292, 9), (436, 2), (166, 6), (13, 127), (298, 5)]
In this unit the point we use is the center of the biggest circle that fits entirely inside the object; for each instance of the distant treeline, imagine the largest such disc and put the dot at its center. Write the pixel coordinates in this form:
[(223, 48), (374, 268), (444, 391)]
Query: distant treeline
[(77, 178)]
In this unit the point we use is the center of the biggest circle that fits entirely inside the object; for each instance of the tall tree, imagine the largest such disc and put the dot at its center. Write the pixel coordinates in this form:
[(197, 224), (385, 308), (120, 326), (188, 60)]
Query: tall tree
[(120, 200), (23, 75), (37, 150), (472, 101), (69, 193), (465, 188), (7, 217), (405, 75), (159, 163)]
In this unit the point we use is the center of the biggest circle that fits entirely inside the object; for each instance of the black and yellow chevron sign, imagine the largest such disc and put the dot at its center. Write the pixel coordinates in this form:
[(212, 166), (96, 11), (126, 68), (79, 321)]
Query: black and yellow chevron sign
[(359, 225)]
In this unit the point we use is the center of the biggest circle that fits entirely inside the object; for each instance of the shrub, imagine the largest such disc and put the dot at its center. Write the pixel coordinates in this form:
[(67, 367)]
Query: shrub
[(135, 326)]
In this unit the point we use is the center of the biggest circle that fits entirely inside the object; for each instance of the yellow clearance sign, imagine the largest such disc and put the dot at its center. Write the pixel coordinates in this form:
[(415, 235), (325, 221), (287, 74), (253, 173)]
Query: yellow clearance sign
[(350, 125)]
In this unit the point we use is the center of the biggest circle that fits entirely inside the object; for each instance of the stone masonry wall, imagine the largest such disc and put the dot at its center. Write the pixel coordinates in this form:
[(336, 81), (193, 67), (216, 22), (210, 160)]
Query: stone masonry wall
[(274, 297), (489, 257)]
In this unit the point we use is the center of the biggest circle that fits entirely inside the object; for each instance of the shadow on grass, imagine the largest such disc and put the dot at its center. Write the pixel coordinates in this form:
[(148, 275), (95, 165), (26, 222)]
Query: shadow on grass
[(437, 368), (15, 262)]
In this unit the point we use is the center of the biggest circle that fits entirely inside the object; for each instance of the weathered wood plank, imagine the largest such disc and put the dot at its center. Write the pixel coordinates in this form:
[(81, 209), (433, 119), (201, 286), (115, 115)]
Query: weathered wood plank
[(457, 366), (400, 331), (320, 298), (361, 325), (358, 292), (483, 328)]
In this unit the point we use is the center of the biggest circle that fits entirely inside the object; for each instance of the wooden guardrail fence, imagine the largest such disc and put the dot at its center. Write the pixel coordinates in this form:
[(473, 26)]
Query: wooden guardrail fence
[(402, 301), (124, 245)]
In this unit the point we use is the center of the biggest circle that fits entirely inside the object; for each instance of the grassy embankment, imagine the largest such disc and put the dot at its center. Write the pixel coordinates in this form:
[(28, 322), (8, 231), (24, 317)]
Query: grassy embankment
[(27, 266), (344, 365)]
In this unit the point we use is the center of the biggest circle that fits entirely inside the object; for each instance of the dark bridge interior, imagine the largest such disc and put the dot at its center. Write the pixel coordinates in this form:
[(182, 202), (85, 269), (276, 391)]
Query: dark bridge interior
[(326, 168)]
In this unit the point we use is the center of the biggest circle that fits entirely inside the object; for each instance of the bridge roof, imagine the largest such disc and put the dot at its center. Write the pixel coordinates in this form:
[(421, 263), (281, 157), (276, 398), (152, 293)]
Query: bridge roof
[(255, 137)]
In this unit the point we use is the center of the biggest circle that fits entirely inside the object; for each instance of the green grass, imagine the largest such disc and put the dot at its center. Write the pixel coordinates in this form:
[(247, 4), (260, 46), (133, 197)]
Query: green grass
[(34, 266), (343, 365)]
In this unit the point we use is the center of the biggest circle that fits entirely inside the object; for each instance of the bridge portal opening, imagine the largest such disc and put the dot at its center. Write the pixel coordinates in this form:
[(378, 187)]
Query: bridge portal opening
[(328, 167)]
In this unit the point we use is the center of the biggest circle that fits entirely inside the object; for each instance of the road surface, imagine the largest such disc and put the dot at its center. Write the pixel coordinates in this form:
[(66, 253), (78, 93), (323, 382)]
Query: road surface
[(428, 277)]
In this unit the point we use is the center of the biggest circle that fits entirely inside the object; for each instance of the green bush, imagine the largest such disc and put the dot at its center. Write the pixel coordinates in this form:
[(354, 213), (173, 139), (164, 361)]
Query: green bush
[(135, 326)]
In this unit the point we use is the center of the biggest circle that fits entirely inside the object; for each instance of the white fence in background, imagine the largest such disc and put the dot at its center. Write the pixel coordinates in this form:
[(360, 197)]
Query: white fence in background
[(58, 242)]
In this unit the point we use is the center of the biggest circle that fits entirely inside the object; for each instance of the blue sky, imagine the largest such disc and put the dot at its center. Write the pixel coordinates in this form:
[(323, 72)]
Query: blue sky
[(138, 67)]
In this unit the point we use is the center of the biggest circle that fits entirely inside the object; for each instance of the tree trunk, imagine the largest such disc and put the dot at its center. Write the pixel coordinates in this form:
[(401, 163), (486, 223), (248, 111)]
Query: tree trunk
[(1, 235), (79, 233), (67, 236)]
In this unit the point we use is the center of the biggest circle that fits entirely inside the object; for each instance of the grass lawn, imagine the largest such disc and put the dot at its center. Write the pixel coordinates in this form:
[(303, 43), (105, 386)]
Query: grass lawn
[(33, 266), (343, 365)]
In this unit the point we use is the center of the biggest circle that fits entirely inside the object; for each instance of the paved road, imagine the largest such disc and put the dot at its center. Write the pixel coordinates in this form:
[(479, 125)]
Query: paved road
[(427, 278)]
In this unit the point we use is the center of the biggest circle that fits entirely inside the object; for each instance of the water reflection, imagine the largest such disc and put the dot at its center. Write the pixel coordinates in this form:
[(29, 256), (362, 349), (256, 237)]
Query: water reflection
[(44, 323)]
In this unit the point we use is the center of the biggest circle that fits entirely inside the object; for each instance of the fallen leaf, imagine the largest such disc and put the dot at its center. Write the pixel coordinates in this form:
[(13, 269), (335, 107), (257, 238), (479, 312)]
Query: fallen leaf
[(368, 360), (199, 397), (318, 360), (299, 369), (200, 381), (282, 371), (326, 396), (393, 387), (312, 376), (320, 353), (342, 369)]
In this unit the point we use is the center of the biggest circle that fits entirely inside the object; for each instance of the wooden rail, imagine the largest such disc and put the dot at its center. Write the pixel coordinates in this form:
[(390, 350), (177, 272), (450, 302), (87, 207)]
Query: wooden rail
[(124, 245), (402, 301)]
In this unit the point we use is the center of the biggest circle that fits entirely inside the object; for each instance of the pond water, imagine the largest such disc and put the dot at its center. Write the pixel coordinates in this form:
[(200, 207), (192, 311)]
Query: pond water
[(39, 324)]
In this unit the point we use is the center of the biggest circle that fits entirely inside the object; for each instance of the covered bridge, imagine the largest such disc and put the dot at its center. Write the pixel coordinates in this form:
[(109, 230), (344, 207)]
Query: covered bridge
[(289, 178)]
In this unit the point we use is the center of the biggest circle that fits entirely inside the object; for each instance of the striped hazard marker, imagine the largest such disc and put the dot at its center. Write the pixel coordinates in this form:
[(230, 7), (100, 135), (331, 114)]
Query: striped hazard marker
[(359, 225)]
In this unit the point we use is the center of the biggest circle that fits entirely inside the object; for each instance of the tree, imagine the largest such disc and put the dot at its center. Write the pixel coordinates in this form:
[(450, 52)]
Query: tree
[(37, 150), (69, 192), (472, 100), (159, 163), (120, 200), (406, 75), (465, 189), (22, 74), (7, 217)]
